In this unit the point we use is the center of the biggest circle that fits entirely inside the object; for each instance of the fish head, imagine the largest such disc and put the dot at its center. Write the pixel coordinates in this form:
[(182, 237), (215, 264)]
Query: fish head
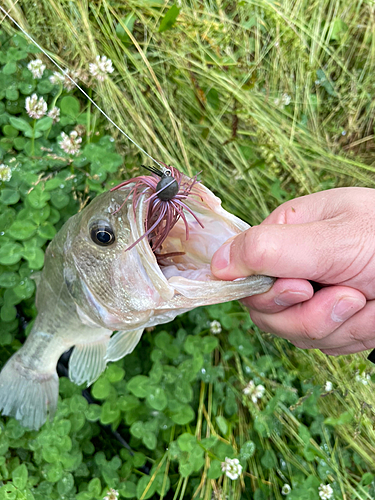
[(123, 288), (109, 285)]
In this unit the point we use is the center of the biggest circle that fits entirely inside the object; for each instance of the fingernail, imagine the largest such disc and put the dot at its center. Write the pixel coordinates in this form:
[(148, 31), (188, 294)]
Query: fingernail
[(345, 308), (221, 258), (289, 298)]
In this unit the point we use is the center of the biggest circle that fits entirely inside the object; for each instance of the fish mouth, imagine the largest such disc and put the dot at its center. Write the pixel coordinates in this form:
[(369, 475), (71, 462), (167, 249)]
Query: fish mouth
[(182, 265)]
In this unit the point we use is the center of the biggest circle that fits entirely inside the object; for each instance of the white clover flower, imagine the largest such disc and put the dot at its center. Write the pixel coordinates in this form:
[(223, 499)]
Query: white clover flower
[(36, 108), (282, 101), (56, 78), (54, 113), (79, 74), (364, 378), (286, 489), (325, 491), (255, 392), (70, 143), (218, 494), (5, 173), (67, 83), (232, 468), (37, 68), (80, 129), (101, 67), (328, 386), (215, 327), (111, 494)]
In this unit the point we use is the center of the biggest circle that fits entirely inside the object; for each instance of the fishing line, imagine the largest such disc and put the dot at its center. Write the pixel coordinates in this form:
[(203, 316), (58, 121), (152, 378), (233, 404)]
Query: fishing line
[(76, 84)]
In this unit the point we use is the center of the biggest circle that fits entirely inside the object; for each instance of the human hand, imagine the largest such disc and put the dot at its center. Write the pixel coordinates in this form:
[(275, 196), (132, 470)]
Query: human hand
[(328, 238)]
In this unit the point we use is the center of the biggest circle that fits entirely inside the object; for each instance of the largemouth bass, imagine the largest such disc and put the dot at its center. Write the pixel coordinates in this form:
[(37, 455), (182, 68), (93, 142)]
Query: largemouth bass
[(95, 282)]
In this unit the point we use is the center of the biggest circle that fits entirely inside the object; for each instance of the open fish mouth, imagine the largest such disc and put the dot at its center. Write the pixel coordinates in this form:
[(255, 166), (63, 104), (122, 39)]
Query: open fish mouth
[(181, 267)]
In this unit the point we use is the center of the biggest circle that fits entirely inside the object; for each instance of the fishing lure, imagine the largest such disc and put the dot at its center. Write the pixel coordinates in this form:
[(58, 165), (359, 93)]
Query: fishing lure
[(166, 204)]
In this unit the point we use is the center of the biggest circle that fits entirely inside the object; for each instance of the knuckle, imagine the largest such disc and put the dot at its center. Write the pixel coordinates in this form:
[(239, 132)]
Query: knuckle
[(280, 214), (311, 331), (257, 248), (356, 334), (261, 303), (361, 331), (368, 344), (362, 335)]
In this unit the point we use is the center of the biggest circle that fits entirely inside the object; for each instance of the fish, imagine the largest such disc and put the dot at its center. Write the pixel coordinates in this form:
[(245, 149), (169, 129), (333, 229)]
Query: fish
[(102, 285)]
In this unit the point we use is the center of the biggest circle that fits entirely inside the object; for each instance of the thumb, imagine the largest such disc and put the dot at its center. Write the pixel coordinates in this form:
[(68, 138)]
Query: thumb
[(307, 251)]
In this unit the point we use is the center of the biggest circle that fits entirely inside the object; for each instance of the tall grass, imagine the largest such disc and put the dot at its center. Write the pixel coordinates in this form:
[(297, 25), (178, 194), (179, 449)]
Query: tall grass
[(207, 94)]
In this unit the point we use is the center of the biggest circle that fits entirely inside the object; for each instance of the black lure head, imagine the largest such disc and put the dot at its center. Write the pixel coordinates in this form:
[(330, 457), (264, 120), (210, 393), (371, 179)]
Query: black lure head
[(167, 187)]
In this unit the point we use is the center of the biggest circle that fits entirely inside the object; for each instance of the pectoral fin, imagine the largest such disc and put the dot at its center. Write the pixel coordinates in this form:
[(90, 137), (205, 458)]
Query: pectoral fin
[(87, 362), (122, 343)]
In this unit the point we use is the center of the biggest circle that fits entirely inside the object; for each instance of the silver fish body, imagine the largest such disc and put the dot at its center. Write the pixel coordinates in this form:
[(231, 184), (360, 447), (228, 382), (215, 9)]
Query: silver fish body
[(87, 291)]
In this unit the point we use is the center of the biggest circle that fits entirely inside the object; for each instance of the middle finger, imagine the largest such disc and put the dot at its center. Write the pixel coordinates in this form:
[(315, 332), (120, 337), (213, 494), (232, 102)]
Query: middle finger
[(312, 321), (357, 331)]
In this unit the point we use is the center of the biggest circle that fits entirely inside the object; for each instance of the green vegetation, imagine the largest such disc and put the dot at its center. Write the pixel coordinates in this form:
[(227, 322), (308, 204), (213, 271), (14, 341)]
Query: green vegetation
[(271, 102)]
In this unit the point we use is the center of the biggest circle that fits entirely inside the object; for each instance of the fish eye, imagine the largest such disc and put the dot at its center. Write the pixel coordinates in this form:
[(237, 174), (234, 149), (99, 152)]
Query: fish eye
[(102, 234)]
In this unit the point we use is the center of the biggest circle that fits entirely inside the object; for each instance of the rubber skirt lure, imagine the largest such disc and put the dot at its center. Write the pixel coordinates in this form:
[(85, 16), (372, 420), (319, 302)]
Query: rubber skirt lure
[(166, 205)]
